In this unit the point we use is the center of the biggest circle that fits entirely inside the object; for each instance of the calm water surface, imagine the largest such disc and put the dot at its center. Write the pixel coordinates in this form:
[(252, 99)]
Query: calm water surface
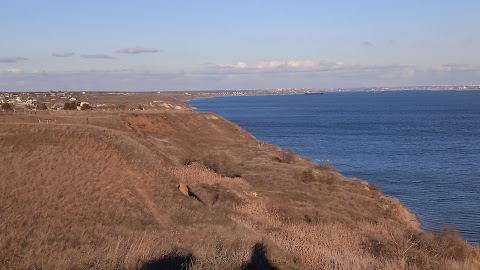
[(422, 147)]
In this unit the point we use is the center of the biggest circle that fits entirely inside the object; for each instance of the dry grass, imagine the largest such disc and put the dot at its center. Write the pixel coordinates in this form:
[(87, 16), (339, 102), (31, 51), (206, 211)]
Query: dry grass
[(103, 195), (288, 156)]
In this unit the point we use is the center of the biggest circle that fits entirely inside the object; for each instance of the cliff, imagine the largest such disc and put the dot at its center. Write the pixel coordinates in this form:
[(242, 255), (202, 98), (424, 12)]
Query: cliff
[(99, 190)]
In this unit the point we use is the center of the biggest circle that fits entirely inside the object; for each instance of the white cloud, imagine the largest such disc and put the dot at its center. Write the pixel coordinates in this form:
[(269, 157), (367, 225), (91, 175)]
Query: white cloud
[(308, 73), (238, 65), (138, 50), (62, 54), (301, 64), (241, 65), (279, 66), (269, 64)]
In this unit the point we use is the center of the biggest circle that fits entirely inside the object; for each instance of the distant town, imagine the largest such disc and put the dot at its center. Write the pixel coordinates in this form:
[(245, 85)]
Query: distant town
[(102, 100)]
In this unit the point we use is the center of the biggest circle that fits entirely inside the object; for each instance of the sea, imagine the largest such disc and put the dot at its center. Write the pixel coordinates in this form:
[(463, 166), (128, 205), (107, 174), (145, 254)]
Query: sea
[(422, 147)]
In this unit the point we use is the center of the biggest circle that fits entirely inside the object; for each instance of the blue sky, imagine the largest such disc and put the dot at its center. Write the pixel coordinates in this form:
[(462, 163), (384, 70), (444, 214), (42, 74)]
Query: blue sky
[(178, 45)]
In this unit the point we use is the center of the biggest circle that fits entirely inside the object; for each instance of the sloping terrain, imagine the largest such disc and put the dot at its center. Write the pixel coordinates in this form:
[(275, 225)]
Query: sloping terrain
[(98, 190)]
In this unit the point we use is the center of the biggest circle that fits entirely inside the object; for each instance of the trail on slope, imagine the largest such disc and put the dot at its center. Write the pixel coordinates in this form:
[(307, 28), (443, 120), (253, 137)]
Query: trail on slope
[(147, 200)]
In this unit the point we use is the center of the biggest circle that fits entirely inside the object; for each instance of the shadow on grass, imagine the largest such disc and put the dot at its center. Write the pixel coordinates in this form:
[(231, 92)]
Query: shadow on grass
[(193, 195), (259, 260), (175, 261), (171, 261)]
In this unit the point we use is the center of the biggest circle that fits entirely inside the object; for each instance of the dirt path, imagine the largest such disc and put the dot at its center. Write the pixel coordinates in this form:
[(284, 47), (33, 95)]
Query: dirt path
[(147, 200)]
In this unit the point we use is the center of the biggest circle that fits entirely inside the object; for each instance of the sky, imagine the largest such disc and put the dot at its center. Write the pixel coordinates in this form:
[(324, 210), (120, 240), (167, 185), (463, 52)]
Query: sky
[(251, 44)]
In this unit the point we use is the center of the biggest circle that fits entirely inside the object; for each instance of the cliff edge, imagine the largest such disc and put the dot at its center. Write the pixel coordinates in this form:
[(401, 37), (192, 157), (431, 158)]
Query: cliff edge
[(175, 189)]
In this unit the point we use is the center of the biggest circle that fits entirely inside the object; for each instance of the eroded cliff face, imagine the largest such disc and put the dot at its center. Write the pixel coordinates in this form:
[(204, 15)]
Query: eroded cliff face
[(225, 148), (90, 182)]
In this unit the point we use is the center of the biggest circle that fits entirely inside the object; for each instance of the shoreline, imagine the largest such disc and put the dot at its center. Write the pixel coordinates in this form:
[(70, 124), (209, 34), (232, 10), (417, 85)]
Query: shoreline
[(215, 95), (429, 228)]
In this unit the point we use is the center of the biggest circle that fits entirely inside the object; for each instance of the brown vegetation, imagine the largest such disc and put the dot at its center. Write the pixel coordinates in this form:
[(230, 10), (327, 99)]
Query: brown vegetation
[(98, 190), (6, 106), (72, 105), (287, 156)]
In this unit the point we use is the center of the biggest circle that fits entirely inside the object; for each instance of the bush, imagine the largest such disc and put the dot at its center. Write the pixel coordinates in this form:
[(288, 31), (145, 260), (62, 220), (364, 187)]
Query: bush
[(451, 245), (307, 176), (70, 105), (379, 248), (85, 106), (185, 161), (7, 106), (220, 165), (327, 167), (375, 187), (41, 106), (288, 156)]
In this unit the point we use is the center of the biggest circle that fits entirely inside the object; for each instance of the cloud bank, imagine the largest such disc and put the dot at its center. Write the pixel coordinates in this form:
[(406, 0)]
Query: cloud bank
[(243, 75), (137, 50), (277, 66)]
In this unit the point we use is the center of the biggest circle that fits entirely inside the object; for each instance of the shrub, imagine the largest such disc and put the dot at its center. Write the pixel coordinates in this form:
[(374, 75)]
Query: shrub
[(7, 106), (220, 164), (375, 187), (41, 106), (85, 106), (288, 156), (70, 105), (330, 178), (185, 161), (306, 176), (450, 244), (379, 248)]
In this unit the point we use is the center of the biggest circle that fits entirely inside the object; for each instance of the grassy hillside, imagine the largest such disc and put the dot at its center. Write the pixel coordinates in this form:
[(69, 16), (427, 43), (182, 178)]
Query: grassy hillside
[(98, 190)]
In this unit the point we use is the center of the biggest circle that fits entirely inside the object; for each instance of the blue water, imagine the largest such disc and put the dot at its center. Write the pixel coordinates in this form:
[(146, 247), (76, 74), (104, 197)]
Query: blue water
[(422, 147)]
